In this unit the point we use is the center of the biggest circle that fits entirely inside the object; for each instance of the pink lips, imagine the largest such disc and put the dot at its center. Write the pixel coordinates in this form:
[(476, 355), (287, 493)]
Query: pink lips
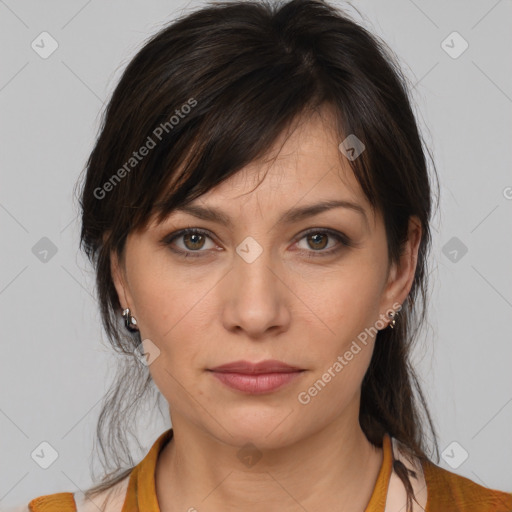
[(256, 378)]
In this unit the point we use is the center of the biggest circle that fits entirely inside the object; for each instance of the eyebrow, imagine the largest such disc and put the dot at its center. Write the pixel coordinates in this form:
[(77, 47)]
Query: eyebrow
[(293, 215)]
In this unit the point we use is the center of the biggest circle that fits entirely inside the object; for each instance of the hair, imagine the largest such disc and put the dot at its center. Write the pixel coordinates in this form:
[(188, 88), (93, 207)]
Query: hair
[(210, 93)]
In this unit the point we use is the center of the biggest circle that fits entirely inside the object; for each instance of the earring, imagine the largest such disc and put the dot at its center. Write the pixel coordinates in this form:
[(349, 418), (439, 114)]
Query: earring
[(129, 321), (392, 315)]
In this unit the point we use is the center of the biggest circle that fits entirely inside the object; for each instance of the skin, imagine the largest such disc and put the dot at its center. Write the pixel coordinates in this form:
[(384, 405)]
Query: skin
[(217, 308)]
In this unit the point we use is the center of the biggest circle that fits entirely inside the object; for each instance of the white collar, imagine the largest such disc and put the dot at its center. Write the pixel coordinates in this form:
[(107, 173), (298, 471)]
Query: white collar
[(396, 496)]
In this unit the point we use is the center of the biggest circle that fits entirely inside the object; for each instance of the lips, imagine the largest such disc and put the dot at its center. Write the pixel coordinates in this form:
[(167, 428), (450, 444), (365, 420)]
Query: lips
[(256, 378), (248, 368)]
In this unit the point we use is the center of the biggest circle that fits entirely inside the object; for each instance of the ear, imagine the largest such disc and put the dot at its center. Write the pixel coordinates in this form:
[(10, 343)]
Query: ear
[(401, 274), (119, 279)]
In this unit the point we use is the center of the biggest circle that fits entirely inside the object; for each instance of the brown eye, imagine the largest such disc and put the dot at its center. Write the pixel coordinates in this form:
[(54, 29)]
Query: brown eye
[(193, 241), (318, 240), (189, 242)]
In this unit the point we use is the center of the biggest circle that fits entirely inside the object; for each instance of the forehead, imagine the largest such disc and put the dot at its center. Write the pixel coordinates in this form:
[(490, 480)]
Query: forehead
[(304, 165)]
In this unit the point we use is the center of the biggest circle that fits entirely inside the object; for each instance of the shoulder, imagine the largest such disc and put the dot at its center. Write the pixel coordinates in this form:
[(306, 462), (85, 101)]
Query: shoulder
[(60, 501), (110, 500), (448, 489)]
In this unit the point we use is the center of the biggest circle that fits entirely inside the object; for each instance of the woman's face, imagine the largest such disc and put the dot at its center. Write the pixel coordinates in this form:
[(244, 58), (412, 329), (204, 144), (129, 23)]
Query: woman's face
[(259, 287)]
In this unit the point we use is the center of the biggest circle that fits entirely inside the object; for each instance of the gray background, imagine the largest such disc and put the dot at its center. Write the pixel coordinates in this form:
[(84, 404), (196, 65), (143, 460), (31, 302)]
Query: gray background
[(55, 363)]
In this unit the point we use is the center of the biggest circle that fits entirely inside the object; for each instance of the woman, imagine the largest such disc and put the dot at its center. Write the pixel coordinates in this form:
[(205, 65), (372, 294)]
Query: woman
[(257, 210)]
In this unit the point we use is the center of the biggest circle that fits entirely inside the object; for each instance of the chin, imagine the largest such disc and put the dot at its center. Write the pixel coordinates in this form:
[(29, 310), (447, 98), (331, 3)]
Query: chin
[(264, 428)]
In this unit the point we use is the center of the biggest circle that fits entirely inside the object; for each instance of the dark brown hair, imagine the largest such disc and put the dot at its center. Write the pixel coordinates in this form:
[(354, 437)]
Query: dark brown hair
[(207, 95)]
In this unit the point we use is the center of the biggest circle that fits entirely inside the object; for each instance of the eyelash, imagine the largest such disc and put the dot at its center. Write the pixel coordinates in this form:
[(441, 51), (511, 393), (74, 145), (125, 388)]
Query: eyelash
[(341, 238)]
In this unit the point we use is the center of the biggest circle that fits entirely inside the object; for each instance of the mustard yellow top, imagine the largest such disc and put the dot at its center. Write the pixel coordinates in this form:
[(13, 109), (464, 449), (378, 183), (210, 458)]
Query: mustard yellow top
[(446, 491)]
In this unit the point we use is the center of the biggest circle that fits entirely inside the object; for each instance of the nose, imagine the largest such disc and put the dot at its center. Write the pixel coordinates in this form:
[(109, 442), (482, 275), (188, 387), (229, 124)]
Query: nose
[(256, 299)]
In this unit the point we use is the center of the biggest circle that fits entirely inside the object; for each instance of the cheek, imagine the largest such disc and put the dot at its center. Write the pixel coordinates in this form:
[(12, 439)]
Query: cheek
[(166, 306), (170, 312), (160, 294), (342, 303), (346, 312)]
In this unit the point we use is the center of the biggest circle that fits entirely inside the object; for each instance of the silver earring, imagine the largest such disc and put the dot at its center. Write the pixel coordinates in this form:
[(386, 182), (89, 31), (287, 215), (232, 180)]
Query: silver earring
[(392, 315), (129, 321)]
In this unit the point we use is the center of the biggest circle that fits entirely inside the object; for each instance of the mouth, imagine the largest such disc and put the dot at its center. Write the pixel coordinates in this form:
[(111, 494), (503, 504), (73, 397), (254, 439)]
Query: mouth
[(256, 378)]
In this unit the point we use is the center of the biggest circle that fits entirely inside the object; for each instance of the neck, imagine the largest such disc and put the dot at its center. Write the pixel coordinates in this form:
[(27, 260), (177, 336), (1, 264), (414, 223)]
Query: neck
[(335, 468)]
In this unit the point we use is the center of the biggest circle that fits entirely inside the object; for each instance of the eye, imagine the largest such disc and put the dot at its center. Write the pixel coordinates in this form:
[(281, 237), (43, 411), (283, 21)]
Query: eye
[(318, 239), (193, 240)]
